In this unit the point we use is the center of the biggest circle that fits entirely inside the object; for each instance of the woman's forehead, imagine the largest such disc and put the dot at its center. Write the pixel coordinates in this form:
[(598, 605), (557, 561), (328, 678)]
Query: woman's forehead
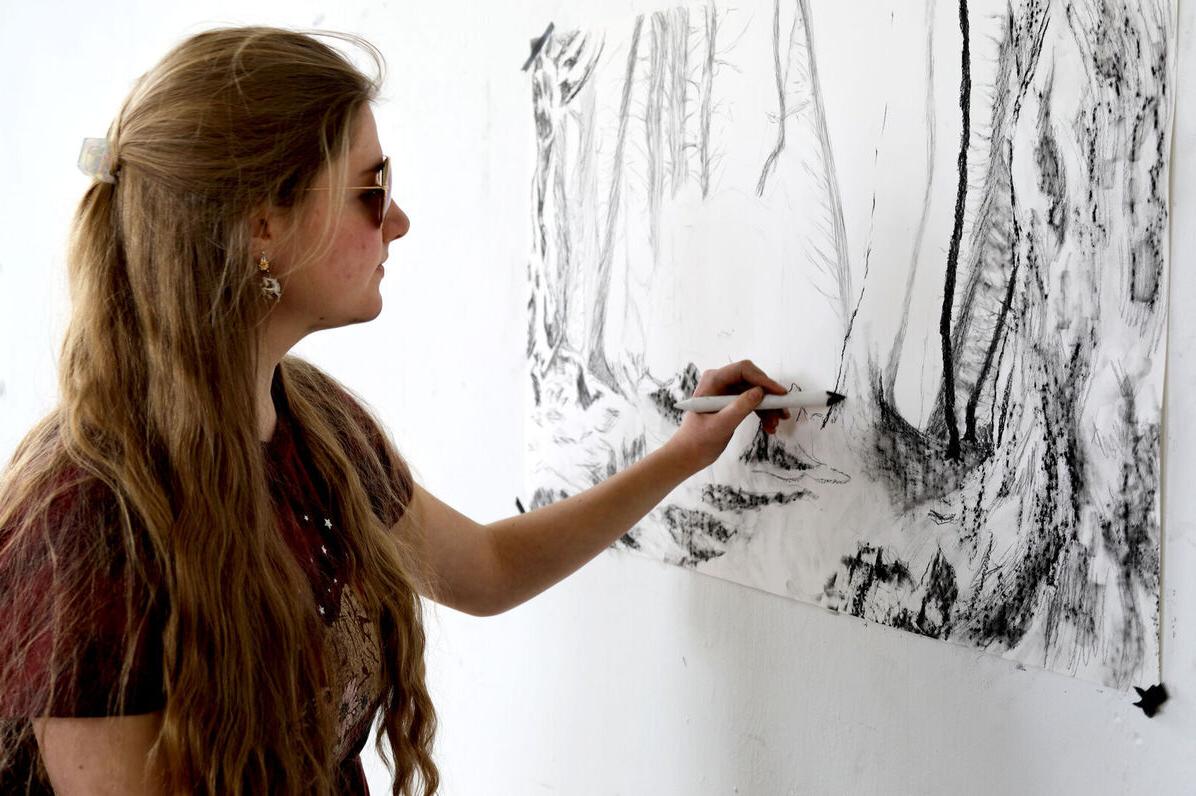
[(365, 152), (370, 170)]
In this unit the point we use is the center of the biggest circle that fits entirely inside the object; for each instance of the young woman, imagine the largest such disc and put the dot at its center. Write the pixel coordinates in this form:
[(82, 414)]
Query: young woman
[(211, 555)]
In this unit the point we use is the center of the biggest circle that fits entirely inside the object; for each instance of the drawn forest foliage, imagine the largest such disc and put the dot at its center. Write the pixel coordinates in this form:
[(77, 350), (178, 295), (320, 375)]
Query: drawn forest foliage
[(1017, 508)]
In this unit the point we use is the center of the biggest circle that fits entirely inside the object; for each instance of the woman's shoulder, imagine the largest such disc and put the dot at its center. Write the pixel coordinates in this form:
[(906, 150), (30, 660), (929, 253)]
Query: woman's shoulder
[(67, 600), (63, 501), (311, 390), (362, 436)]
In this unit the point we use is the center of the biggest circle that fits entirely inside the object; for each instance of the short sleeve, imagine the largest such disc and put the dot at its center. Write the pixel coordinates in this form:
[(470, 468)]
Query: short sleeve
[(65, 622)]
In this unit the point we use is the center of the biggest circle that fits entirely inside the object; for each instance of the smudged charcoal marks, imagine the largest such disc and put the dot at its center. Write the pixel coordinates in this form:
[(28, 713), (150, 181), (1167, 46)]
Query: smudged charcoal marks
[(701, 522), (765, 449), (666, 404), (867, 569), (938, 598), (544, 497), (584, 397), (1073, 602), (1052, 180), (727, 498), (911, 463), (536, 389), (700, 534), (1147, 257), (665, 399), (1132, 527), (1052, 507), (1129, 526), (689, 380)]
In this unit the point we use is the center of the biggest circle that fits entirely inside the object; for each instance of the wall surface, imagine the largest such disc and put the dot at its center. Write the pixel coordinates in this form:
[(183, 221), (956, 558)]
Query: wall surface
[(630, 676)]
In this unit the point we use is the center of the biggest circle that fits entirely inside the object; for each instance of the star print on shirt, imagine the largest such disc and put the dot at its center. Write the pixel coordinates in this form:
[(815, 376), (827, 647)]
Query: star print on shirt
[(327, 523)]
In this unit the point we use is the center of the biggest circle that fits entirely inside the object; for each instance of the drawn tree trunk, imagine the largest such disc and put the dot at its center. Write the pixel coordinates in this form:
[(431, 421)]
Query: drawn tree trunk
[(562, 70), (890, 371), (799, 100)]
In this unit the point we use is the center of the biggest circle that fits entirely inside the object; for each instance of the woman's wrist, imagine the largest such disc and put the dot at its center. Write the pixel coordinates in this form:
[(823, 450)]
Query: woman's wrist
[(682, 458)]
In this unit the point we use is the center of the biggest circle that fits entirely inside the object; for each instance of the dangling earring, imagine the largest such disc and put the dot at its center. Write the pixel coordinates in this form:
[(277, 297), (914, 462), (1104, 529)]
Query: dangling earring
[(271, 289)]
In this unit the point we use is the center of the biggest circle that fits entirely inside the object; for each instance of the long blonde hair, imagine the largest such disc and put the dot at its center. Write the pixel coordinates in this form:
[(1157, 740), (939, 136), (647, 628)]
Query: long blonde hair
[(157, 431)]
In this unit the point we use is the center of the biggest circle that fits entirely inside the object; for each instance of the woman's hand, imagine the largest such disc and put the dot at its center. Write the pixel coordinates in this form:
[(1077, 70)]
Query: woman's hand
[(703, 436)]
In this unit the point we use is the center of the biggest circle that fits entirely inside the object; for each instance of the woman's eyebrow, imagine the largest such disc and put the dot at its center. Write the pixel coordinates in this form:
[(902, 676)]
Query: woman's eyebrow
[(372, 170)]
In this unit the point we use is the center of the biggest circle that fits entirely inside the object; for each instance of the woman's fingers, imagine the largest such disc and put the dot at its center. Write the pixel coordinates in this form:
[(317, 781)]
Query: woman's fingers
[(742, 406), (736, 378), (753, 374)]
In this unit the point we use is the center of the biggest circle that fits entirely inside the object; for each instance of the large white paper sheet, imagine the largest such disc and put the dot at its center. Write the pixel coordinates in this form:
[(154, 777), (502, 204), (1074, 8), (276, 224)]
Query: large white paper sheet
[(955, 213)]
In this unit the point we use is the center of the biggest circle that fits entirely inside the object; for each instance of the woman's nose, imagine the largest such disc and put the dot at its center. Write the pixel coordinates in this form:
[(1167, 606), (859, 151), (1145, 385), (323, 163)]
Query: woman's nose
[(397, 224)]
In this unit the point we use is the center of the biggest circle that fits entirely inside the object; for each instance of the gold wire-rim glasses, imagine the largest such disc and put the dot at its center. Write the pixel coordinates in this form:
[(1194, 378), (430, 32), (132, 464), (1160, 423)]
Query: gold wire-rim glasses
[(383, 184)]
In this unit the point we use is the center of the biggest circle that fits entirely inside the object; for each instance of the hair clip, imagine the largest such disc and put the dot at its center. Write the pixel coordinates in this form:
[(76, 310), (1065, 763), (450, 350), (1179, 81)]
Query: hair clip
[(95, 160)]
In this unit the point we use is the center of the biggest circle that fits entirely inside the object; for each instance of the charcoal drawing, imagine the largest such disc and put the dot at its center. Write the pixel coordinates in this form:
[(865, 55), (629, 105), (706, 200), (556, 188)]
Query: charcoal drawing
[(971, 244)]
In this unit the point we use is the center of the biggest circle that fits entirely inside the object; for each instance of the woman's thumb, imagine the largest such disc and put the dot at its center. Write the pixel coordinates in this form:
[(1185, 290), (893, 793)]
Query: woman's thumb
[(746, 403)]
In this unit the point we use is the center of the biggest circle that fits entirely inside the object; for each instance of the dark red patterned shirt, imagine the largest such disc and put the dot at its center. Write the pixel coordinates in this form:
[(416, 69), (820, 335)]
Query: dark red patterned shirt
[(307, 518)]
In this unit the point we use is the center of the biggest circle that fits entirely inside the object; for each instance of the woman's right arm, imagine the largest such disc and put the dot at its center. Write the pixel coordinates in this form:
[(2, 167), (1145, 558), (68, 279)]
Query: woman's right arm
[(105, 755)]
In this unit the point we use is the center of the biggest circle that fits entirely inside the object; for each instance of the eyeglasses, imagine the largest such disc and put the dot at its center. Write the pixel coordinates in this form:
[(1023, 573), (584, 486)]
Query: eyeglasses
[(380, 191)]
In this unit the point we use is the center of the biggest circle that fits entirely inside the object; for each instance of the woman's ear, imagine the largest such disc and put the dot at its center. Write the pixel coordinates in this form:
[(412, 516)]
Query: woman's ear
[(265, 228)]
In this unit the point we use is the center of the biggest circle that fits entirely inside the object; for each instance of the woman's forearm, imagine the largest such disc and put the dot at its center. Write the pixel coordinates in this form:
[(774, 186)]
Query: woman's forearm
[(537, 549)]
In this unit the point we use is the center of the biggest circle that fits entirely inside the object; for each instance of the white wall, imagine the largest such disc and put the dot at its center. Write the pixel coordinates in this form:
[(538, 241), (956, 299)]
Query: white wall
[(631, 676)]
